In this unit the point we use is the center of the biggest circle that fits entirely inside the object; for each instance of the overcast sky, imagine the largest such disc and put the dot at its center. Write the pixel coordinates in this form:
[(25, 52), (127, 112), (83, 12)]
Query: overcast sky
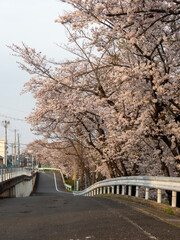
[(31, 22)]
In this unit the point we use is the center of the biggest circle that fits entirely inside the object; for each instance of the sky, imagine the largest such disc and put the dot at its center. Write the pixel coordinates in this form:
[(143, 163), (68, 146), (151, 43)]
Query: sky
[(31, 22)]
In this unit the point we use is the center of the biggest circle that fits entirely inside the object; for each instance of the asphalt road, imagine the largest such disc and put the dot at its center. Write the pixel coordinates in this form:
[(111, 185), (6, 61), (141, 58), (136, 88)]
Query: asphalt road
[(54, 214)]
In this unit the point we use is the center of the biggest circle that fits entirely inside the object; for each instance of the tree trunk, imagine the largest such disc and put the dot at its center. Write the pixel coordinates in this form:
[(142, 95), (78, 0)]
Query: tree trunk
[(110, 168)]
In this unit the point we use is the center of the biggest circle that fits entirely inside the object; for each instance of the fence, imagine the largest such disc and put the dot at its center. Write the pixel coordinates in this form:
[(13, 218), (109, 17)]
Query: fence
[(148, 182), (8, 173)]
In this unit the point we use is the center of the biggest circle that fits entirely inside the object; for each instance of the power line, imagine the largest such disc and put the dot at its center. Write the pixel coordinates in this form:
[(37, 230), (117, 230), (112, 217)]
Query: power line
[(24, 144), (4, 107), (12, 118), (12, 130)]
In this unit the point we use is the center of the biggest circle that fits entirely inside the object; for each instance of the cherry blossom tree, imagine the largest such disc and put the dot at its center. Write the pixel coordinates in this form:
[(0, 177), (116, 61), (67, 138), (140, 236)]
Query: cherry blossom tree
[(117, 103), (147, 33)]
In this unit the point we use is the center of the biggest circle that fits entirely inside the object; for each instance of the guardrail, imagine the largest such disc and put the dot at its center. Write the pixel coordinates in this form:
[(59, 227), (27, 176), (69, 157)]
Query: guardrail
[(67, 186), (8, 173), (160, 183)]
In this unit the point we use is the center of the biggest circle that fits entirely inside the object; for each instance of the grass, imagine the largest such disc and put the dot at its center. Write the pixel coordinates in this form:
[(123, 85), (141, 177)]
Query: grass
[(69, 181), (169, 211), (167, 203)]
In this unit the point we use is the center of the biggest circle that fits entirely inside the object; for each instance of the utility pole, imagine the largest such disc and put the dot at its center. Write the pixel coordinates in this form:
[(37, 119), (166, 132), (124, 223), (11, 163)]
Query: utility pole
[(32, 161), (19, 162), (6, 123), (12, 153), (15, 146)]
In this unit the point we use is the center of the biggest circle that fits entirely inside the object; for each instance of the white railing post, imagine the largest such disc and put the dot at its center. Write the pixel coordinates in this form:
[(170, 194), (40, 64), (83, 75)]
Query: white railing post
[(112, 191), (104, 190), (1, 175), (123, 190), (4, 174), (94, 192), (129, 190), (159, 195), (8, 177), (147, 194), (174, 198), (100, 190), (137, 191), (9, 173), (97, 191), (108, 190), (117, 189)]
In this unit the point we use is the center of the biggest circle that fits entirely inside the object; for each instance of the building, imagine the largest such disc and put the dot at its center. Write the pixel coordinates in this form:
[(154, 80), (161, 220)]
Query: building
[(2, 152)]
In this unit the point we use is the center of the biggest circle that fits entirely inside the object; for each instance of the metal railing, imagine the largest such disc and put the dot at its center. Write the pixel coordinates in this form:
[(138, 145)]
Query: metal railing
[(148, 182), (67, 186), (8, 173)]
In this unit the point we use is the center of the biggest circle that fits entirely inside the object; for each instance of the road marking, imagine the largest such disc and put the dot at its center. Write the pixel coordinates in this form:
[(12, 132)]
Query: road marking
[(55, 182), (140, 228), (128, 220)]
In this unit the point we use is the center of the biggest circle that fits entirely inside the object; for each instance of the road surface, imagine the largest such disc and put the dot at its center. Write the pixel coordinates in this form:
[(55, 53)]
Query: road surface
[(54, 214)]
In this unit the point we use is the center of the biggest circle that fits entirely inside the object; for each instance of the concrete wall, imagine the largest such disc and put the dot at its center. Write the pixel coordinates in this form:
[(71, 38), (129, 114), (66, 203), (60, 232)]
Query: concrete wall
[(22, 189)]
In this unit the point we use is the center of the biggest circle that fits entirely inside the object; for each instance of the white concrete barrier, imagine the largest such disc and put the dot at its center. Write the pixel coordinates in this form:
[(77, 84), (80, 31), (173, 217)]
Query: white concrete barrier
[(11, 186), (25, 188)]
